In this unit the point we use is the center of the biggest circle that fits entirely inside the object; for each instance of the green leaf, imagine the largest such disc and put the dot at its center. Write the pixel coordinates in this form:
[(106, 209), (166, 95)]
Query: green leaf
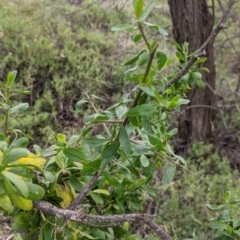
[(162, 59), (121, 110), (132, 69), (19, 108), (148, 90), (227, 196), (49, 151), (73, 139), (173, 102), (162, 31), (137, 38), (144, 161), (19, 143), (75, 183), (216, 224), (180, 56), (143, 58), (200, 60), (22, 92), (181, 159), (138, 7), (177, 45), (214, 207), (105, 162), (157, 27), (197, 77), (176, 101), (169, 175), (15, 154), (111, 179), (124, 140), (202, 69), (102, 191), (147, 10), (155, 141), (236, 222), (61, 138), (79, 104), (5, 106), (75, 154), (108, 153), (20, 185), (96, 197), (183, 101), (91, 167), (95, 116), (131, 61), (49, 177), (141, 110), (5, 203), (121, 27), (96, 141), (11, 77), (200, 83), (36, 192)]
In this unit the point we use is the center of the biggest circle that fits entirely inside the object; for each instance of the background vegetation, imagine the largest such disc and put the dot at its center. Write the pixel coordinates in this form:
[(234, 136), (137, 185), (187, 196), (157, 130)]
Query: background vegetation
[(60, 48)]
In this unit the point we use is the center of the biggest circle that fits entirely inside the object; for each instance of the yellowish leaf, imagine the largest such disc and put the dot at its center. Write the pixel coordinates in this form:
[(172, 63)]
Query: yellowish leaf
[(6, 203), (64, 193), (21, 202), (33, 160)]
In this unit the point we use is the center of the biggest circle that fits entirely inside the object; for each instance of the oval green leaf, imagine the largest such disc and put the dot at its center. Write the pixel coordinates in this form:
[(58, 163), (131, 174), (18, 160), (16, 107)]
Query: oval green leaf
[(169, 175)]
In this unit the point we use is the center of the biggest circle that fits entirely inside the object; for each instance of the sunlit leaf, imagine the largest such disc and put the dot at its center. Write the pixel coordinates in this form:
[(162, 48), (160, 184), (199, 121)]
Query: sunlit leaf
[(102, 191), (5, 203), (138, 7), (169, 175), (144, 161), (20, 202), (147, 10), (11, 77)]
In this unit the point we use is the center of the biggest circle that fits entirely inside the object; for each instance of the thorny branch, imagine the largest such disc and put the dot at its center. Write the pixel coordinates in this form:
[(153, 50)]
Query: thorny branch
[(202, 50), (79, 216)]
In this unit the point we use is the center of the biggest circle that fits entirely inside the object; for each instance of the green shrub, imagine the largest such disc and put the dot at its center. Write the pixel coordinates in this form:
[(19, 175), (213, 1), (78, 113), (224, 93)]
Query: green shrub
[(57, 54), (184, 201)]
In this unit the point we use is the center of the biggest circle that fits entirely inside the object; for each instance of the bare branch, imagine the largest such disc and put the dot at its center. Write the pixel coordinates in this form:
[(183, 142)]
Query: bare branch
[(84, 192), (202, 50), (79, 216)]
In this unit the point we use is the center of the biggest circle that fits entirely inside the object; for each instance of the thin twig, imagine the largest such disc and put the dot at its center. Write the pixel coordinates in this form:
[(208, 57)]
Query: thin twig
[(84, 192)]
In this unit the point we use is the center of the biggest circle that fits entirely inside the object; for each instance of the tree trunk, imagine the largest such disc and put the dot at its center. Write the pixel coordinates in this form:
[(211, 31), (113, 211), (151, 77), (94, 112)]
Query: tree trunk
[(193, 23)]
